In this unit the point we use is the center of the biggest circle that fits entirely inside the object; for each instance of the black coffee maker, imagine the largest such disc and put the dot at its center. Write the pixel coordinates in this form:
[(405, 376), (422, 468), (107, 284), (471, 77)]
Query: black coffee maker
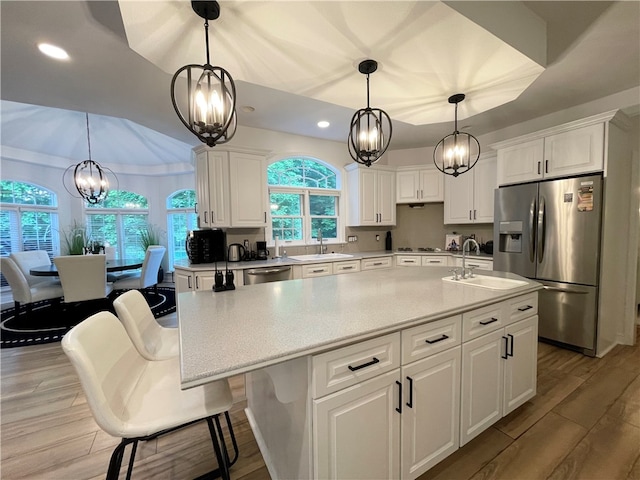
[(262, 252)]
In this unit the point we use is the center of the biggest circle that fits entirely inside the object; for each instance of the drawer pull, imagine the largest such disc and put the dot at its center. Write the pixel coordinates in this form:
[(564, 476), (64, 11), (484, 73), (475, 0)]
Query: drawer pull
[(443, 337), (435, 261), (347, 268), (410, 402), (319, 270), (378, 263), (524, 309), (399, 407), (372, 362), (493, 319), (510, 353)]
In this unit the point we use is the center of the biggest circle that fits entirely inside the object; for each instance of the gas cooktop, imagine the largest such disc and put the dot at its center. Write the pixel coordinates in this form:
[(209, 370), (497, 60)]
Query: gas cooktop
[(419, 249)]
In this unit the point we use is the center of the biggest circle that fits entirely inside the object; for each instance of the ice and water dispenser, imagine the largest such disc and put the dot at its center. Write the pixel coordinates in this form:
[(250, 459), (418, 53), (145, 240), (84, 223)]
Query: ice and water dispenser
[(510, 237)]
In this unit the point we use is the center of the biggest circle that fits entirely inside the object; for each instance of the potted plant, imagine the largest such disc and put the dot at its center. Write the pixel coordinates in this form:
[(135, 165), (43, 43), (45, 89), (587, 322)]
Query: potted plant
[(75, 239)]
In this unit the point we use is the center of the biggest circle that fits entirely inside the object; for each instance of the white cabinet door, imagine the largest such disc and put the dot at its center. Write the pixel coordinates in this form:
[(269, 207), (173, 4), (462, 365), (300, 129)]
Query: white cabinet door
[(431, 185), (204, 280), (419, 185), (458, 198), (183, 280), (521, 364), (248, 188), (386, 197), (431, 411), (574, 152), (212, 188), (408, 186), (521, 163), (468, 198), (372, 196), (356, 431), (484, 183), (482, 384)]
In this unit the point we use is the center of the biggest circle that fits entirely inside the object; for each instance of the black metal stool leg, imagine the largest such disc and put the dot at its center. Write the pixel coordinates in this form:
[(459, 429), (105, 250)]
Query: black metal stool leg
[(222, 462), (133, 456), (233, 438), (116, 460)]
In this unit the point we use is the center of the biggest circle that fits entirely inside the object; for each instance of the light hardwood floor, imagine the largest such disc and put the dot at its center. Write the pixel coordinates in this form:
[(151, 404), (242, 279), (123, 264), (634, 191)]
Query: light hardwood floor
[(583, 423)]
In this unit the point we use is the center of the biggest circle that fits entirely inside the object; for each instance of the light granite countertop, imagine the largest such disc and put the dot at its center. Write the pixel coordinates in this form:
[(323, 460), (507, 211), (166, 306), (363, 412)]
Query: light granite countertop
[(232, 332), (195, 267)]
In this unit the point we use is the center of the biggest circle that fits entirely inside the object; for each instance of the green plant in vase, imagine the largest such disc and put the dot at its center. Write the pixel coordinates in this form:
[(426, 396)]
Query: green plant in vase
[(149, 235), (75, 239)]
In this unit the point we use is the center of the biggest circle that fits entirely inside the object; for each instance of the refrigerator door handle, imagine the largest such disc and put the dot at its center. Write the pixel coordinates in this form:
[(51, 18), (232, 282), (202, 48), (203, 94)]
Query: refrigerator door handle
[(564, 290), (541, 229), (532, 231)]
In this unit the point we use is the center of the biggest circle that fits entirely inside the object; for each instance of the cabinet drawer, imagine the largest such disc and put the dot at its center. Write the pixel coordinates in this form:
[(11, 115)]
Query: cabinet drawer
[(434, 260), (409, 260), (425, 340), (341, 368), (483, 320), (377, 262), (520, 307), (316, 270), (346, 267)]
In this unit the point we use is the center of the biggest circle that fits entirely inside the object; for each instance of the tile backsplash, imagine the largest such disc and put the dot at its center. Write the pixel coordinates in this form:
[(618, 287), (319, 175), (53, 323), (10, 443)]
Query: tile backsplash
[(415, 227)]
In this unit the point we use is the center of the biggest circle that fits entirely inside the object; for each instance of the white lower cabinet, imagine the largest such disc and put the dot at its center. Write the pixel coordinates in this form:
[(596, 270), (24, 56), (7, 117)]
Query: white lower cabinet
[(498, 375), (431, 411), (356, 431), (201, 280), (396, 405)]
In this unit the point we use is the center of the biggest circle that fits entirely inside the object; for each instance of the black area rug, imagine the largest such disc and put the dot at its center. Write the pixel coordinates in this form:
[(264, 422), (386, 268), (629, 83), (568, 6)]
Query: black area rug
[(48, 321)]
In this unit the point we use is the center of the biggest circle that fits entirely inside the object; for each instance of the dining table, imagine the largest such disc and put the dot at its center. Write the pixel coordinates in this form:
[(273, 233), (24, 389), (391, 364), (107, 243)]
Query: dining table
[(113, 265)]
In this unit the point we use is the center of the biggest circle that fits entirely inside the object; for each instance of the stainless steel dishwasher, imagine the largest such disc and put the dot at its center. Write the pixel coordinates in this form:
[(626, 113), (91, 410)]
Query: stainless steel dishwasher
[(267, 274)]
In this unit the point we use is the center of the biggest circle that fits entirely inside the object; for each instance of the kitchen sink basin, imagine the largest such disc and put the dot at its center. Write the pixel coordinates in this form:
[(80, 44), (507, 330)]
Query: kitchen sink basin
[(318, 256), (491, 283)]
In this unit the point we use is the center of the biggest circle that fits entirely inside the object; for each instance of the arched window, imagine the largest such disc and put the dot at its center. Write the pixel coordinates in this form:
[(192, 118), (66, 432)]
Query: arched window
[(117, 222), (28, 218), (304, 196), (181, 218)]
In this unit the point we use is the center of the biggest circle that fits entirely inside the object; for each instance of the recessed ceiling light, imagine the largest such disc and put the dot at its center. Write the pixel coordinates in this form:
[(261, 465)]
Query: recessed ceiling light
[(53, 51), (323, 124), (248, 109)]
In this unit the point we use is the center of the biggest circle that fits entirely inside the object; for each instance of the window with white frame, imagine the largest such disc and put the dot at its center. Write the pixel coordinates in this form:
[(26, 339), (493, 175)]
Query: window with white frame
[(28, 219), (117, 222), (181, 218), (304, 197)]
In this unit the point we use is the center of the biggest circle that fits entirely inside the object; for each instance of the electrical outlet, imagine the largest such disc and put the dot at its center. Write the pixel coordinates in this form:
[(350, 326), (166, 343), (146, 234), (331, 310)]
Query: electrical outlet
[(377, 238)]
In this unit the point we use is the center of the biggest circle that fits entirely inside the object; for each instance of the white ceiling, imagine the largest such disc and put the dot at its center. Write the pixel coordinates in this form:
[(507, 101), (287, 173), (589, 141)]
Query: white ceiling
[(296, 63)]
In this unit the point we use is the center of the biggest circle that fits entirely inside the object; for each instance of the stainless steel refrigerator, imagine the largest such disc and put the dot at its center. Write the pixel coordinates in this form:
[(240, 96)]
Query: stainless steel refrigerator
[(549, 231)]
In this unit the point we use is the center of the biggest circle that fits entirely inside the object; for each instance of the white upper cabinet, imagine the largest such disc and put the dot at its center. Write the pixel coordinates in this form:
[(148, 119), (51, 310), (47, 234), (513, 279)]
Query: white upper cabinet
[(248, 175), (571, 149), (231, 188), (212, 188), (372, 195), (417, 185), (468, 198)]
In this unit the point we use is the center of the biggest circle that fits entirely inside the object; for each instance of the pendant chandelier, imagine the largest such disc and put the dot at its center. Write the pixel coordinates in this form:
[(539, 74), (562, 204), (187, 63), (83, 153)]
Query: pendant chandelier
[(369, 126), (211, 93), (89, 178), (458, 152)]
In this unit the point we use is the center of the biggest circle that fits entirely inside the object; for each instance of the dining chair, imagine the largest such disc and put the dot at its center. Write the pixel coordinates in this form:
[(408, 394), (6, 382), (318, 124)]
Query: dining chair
[(148, 275), (152, 340), (83, 277), (22, 291), (29, 259), (136, 399)]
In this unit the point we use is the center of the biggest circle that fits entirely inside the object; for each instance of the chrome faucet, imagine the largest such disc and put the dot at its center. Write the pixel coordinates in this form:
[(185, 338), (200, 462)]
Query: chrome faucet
[(319, 237), (464, 247)]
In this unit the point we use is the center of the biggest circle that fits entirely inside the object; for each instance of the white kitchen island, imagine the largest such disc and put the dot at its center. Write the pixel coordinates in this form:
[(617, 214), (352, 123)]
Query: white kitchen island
[(377, 374)]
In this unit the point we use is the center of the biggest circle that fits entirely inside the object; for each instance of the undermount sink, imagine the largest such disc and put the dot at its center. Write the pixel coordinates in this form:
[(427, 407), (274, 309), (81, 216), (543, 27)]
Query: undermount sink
[(491, 283), (318, 256)]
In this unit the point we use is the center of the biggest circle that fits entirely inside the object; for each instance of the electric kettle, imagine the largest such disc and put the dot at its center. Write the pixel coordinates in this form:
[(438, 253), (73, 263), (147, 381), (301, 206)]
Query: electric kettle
[(236, 252)]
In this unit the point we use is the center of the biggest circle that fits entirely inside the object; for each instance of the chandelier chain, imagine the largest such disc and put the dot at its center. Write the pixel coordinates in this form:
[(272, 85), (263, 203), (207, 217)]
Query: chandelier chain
[(88, 136)]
